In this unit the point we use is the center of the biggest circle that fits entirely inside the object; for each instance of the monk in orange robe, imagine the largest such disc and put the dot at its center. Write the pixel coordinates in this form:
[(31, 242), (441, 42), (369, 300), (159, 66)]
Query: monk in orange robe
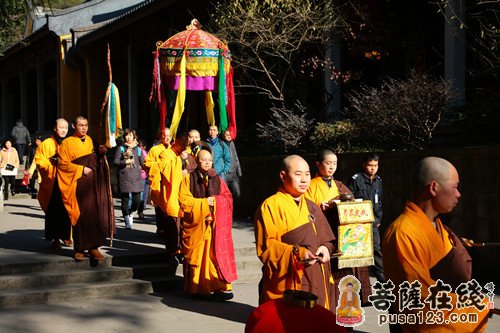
[(294, 240), (165, 173), (57, 223), (83, 176), (417, 246), (207, 246), (323, 189)]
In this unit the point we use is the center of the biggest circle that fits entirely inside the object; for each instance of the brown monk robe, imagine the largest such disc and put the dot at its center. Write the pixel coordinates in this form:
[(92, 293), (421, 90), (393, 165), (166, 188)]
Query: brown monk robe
[(290, 230), (322, 190), (84, 182), (57, 223)]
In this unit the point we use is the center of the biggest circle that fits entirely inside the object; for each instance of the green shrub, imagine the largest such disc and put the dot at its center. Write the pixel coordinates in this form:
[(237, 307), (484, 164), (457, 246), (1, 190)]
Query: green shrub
[(336, 136)]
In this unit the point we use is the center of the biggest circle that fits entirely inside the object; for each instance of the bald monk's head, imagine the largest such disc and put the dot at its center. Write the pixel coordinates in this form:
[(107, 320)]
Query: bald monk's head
[(205, 160), (436, 182), (61, 128), (295, 175)]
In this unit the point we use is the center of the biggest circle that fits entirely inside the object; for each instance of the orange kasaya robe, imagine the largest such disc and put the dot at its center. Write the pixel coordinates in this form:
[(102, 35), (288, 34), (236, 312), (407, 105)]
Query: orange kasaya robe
[(208, 265), (47, 169), (87, 198), (411, 247), (69, 173), (319, 192), (57, 221), (278, 217), (165, 175)]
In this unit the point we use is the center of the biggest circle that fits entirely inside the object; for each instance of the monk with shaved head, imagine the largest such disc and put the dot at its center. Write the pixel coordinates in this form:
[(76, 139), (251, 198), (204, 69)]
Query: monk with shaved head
[(418, 247), (207, 245), (294, 240), (57, 222)]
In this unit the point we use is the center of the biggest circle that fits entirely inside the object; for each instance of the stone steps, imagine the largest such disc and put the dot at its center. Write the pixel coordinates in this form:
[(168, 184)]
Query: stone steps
[(67, 292), (55, 278), (63, 279), (63, 264)]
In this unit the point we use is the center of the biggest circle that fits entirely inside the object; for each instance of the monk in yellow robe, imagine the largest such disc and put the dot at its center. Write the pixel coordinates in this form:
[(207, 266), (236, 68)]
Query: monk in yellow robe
[(165, 173), (207, 246), (57, 223), (323, 189), (417, 246), (294, 240), (83, 176), (152, 165)]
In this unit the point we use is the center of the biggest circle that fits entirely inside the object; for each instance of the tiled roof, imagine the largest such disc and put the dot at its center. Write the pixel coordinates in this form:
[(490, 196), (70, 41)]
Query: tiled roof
[(93, 13)]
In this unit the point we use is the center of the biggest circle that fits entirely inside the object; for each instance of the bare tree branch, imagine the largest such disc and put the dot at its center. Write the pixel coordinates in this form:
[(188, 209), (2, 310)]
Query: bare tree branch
[(266, 37)]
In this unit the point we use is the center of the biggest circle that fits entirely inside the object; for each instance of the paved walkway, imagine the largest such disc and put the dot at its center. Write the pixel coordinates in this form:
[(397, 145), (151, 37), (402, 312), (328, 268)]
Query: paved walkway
[(21, 240)]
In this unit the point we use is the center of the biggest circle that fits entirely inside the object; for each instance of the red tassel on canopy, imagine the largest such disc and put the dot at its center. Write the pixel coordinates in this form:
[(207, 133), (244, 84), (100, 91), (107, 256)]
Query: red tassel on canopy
[(157, 95)]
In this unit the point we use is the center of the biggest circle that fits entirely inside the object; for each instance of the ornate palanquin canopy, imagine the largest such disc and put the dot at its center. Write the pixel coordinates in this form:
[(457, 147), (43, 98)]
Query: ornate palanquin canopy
[(195, 60)]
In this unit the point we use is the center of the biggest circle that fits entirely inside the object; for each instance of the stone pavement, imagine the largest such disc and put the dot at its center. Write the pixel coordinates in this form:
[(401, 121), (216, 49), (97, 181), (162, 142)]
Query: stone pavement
[(21, 240)]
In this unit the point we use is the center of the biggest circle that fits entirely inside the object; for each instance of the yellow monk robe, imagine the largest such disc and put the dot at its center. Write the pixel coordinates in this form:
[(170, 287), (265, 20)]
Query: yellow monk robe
[(165, 174), (152, 162), (57, 221), (47, 169), (278, 215), (410, 248), (200, 272), (318, 191), (69, 173)]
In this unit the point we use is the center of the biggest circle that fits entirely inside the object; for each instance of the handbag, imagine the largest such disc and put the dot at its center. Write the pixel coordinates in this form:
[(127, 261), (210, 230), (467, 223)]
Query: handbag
[(9, 167), (26, 179)]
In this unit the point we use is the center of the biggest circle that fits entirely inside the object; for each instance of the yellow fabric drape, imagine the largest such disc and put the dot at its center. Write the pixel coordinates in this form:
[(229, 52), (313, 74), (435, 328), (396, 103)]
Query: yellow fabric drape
[(209, 106), (181, 97)]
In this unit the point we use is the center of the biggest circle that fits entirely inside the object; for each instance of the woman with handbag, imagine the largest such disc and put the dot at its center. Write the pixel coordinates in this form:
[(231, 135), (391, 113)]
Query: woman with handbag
[(129, 160), (9, 163)]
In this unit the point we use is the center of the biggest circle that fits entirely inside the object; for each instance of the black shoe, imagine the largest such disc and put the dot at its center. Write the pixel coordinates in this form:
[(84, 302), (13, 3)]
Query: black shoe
[(221, 296)]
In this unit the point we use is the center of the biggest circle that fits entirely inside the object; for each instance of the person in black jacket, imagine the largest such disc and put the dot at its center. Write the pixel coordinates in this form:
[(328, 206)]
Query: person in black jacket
[(234, 173), (21, 137), (367, 185)]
